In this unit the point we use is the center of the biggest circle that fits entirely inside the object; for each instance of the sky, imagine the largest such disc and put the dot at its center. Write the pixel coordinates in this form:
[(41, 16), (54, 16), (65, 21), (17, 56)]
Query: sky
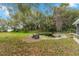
[(4, 13)]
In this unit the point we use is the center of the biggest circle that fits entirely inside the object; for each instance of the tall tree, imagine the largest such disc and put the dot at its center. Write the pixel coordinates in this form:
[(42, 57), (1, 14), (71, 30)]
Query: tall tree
[(57, 16)]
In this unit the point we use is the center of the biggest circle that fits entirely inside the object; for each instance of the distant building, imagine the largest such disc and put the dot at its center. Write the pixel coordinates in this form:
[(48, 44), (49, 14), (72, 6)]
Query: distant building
[(76, 23), (9, 29), (4, 27)]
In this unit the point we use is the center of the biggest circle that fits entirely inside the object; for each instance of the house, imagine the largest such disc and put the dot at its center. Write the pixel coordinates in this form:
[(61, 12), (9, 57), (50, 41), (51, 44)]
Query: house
[(9, 29), (76, 23), (4, 27)]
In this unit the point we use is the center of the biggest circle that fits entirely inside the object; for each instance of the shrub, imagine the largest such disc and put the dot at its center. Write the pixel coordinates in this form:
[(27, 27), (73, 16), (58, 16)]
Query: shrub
[(46, 33)]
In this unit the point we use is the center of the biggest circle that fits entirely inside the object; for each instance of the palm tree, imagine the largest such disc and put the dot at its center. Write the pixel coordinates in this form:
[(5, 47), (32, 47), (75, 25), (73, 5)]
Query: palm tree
[(58, 11)]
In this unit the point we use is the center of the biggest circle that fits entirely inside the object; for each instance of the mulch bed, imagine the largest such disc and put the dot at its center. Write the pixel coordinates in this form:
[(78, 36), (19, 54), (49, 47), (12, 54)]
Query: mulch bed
[(30, 39)]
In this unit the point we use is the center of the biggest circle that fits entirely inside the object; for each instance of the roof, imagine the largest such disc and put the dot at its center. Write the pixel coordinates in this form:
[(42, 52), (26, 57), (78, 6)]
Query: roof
[(76, 22)]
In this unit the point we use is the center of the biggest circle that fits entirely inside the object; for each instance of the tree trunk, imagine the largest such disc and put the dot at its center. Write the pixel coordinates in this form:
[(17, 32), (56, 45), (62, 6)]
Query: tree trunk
[(58, 19), (59, 24)]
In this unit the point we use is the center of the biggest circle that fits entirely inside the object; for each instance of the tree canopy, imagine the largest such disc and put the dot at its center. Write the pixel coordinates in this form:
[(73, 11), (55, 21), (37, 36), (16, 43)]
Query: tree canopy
[(28, 18)]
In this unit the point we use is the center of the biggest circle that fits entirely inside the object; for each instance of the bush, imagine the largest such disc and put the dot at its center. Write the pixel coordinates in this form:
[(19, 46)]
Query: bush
[(46, 33)]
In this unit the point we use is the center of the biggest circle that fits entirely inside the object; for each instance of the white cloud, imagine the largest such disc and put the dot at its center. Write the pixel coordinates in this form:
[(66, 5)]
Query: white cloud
[(72, 5), (7, 13), (0, 8), (5, 9)]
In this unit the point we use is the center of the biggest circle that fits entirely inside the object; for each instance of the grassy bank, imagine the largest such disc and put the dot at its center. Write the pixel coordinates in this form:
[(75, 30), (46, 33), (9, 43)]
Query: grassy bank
[(13, 44)]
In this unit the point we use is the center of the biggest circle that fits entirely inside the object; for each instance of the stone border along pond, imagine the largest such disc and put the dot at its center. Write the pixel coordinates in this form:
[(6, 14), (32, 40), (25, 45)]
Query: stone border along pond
[(76, 38)]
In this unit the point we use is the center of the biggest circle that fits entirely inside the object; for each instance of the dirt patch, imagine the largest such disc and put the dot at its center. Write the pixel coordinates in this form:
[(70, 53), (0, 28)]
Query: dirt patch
[(30, 39)]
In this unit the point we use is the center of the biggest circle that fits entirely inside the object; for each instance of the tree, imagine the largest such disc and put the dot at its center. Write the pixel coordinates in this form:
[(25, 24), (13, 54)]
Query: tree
[(32, 19), (57, 16)]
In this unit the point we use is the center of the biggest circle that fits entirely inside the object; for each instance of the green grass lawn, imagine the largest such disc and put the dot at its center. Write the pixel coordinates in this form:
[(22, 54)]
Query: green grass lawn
[(13, 44)]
